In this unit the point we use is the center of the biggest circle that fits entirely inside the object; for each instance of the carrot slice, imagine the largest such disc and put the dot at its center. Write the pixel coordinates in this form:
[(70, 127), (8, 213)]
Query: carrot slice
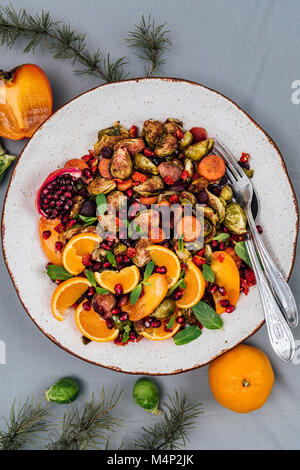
[(76, 163), (124, 185), (148, 200), (104, 168), (212, 167), (189, 227), (165, 203), (157, 235)]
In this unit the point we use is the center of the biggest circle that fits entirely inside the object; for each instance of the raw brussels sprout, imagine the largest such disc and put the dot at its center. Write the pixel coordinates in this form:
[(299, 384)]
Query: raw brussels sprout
[(215, 203), (145, 394), (185, 197), (63, 391), (101, 186), (186, 140), (132, 145), (145, 164), (120, 249), (152, 131), (235, 219), (197, 151), (121, 164), (226, 193), (150, 187), (165, 309), (167, 144)]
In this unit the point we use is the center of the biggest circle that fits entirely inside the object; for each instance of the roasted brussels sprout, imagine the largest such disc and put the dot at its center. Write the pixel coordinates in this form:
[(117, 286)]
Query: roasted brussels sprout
[(142, 256), (198, 184), (110, 136), (77, 203), (116, 199), (215, 203), (171, 125), (71, 232), (145, 394), (147, 219), (145, 164), (186, 140), (208, 253), (172, 169), (132, 145), (190, 316), (185, 197), (197, 151), (226, 193), (116, 129), (120, 325), (210, 222), (150, 187), (184, 255), (121, 164), (104, 304), (152, 130), (167, 144), (120, 249), (165, 309), (101, 186), (235, 218), (249, 173), (189, 167), (98, 254)]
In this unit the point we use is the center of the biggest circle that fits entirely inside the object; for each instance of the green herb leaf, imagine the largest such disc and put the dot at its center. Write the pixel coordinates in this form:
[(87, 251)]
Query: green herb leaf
[(171, 323), (101, 204), (87, 220), (187, 335), (135, 293), (58, 272), (101, 290), (208, 273), (111, 258), (221, 236), (180, 244), (207, 316), (241, 251), (91, 278), (126, 332), (149, 270), (180, 283)]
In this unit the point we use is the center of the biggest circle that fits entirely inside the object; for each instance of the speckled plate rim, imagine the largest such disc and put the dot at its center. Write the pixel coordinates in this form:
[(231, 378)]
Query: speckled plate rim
[(166, 79)]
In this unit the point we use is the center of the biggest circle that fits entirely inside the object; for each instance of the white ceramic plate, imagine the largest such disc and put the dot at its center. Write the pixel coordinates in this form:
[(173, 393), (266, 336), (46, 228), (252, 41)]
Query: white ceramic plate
[(68, 134)]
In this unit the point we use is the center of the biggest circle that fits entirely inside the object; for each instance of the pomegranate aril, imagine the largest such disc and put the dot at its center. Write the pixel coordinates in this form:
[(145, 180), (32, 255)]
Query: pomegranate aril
[(110, 324), (106, 264), (222, 246), (97, 266), (177, 294), (224, 303), (230, 309), (213, 288), (87, 306), (180, 320), (118, 289), (160, 269), (132, 335), (156, 324), (106, 152), (222, 291), (46, 234), (123, 300), (129, 192), (116, 311), (59, 246), (131, 252), (59, 228), (124, 316), (259, 229), (119, 258), (91, 291)]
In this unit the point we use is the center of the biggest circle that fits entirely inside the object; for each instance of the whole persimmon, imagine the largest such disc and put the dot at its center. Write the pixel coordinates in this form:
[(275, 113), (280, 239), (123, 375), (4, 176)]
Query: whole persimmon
[(241, 379)]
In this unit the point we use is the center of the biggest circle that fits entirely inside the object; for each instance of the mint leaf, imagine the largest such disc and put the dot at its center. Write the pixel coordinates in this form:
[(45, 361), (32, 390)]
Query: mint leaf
[(126, 332), (86, 220), (180, 244), (221, 236), (58, 272), (101, 290), (90, 277), (187, 335), (111, 258), (171, 323), (101, 204), (149, 270), (207, 316), (208, 273), (135, 293), (180, 283), (241, 251)]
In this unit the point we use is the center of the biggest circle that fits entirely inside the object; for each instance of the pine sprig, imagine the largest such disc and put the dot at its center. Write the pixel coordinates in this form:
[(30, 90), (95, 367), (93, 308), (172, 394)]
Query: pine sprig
[(151, 43), (25, 421), (172, 432), (90, 427), (60, 39)]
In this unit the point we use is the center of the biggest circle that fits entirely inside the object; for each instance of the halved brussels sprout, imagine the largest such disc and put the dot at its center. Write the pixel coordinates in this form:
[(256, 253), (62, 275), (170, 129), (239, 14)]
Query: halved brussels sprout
[(215, 203), (110, 136), (186, 140), (190, 316), (167, 144), (199, 150), (101, 186), (184, 255), (132, 145), (185, 197), (165, 309), (198, 184), (235, 219), (145, 164), (116, 129), (208, 253), (121, 166), (120, 249), (142, 256), (189, 167), (150, 187), (152, 131), (171, 125), (226, 193), (249, 173), (117, 199)]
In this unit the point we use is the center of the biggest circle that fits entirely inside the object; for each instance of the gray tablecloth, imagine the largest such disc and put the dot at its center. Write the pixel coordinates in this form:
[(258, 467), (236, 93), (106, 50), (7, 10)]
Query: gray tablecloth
[(250, 51)]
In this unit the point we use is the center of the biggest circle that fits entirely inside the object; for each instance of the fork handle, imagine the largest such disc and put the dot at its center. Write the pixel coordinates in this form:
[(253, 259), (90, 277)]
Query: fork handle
[(279, 286), (280, 335)]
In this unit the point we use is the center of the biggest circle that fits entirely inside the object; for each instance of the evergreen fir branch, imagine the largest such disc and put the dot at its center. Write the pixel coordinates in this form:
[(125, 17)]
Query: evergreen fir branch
[(90, 427), (151, 43), (25, 421), (172, 431), (60, 39)]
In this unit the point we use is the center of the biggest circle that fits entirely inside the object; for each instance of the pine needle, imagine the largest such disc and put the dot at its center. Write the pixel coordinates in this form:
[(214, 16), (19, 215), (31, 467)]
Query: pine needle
[(151, 43), (172, 431), (25, 421), (89, 428)]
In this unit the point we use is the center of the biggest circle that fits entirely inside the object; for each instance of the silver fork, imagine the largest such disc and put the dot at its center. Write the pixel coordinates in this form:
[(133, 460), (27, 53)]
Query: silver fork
[(280, 335), (279, 286)]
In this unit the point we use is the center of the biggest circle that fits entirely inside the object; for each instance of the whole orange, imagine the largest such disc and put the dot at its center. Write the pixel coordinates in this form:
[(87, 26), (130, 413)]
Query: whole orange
[(241, 379)]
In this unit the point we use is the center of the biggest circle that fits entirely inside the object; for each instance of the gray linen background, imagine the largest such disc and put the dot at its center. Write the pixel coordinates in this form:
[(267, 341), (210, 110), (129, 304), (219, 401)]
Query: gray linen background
[(250, 51)]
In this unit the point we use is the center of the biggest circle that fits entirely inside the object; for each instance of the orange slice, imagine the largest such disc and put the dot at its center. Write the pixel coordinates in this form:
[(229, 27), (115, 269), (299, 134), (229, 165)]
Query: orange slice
[(66, 294), (154, 292), (92, 326), (160, 334), (79, 246), (162, 256), (195, 286), (127, 277)]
